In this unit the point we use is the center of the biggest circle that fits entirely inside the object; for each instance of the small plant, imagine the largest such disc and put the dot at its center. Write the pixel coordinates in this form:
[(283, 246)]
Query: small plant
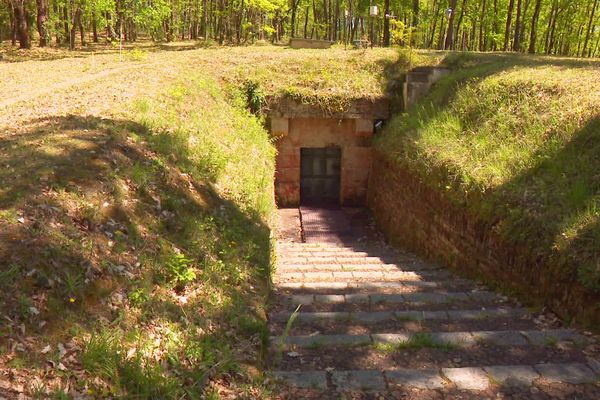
[(9, 275), (285, 334), (138, 297), (551, 341), (73, 285), (180, 271), (137, 55), (417, 341), (254, 96)]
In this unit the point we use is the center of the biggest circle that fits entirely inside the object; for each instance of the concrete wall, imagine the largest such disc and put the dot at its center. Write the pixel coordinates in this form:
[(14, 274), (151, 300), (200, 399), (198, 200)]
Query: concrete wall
[(300, 43), (353, 136)]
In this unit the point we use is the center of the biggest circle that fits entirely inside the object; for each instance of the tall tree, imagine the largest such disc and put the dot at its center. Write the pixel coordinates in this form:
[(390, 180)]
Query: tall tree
[(517, 38), (42, 21), (21, 25), (534, 22), (450, 32), (511, 5), (589, 27)]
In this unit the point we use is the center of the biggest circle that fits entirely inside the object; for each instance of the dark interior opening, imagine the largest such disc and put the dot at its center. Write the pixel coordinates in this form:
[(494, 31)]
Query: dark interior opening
[(320, 172)]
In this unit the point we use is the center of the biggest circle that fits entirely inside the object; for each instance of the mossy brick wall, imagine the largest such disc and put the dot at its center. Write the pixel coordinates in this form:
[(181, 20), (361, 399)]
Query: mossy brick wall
[(418, 218)]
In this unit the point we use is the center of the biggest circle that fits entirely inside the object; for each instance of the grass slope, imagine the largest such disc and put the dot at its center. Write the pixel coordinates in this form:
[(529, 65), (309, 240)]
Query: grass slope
[(134, 239), (135, 202), (515, 140)]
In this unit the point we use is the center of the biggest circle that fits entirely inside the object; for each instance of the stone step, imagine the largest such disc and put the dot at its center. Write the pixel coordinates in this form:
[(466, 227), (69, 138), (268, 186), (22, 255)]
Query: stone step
[(365, 298), (466, 378), (366, 265), (284, 254), (367, 260), (454, 339), (368, 285), (377, 316), (351, 276)]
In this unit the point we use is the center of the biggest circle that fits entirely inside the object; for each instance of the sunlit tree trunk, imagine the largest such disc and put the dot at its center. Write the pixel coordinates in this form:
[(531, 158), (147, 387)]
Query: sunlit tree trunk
[(589, 27), (517, 39), (507, 31), (21, 26), (534, 22), (42, 21)]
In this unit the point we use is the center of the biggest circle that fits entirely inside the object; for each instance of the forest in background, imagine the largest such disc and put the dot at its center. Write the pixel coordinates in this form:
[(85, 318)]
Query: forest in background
[(558, 27)]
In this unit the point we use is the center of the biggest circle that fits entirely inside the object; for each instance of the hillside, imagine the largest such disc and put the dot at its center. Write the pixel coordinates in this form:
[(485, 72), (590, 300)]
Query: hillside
[(513, 142), (135, 212)]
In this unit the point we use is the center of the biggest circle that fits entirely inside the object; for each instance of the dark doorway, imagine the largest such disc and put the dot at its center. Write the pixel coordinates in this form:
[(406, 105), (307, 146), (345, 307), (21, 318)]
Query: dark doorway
[(320, 176)]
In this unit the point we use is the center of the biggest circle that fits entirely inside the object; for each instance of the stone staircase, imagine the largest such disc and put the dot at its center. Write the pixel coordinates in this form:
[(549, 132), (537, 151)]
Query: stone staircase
[(379, 323)]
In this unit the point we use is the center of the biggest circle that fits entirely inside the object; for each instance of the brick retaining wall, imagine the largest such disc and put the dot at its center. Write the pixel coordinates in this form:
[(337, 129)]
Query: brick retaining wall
[(419, 218)]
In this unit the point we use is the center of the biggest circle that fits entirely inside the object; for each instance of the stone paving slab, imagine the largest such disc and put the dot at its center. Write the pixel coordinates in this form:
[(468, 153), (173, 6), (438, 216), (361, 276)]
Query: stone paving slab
[(553, 336), (501, 338), (467, 378), (512, 375), (358, 380), (325, 340), (330, 298), (421, 379), (570, 373), (461, 339), (307, 380), (594, 365), (377, 316)]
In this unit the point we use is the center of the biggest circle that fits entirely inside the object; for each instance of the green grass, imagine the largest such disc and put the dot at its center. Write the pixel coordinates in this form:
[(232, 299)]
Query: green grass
[(416, 341), (514, 141), (153, 252)]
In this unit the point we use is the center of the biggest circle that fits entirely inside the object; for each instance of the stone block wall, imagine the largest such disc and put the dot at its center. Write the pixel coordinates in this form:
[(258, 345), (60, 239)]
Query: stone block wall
[(419, 218), (353, 136)]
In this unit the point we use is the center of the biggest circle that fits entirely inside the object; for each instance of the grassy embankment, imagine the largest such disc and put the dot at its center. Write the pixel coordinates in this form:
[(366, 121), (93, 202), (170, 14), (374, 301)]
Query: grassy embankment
[(515, 141), (135, 203)]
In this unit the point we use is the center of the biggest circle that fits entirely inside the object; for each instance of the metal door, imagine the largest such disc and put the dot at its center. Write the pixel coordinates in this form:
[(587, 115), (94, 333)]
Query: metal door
[(320, 176)]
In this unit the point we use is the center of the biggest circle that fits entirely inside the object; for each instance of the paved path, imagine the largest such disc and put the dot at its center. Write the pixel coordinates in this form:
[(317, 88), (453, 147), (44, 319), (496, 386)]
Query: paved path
[(377, 323)]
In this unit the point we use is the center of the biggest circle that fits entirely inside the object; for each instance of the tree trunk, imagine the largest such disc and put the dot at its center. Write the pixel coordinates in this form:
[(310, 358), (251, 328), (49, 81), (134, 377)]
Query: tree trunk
[(74, 25), (306, 22), (21, 27), (295, 4), (517, 39), (94, 27), (460, 18), (42, 21), (434, 23), (386, 23), (66, 23), (13, 26), (534, 22), (589, 28), (482, 25), (450, 32), (511, 6), (415, 13), (495, 27)]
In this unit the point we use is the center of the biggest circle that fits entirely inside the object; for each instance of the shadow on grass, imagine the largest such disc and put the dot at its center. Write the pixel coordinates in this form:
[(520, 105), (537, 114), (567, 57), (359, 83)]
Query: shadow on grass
[(99, 235)]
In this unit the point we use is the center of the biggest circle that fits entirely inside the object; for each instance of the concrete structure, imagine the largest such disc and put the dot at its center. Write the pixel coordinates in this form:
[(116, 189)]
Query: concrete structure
[(418, 82), (298, 127), (301, 43), (325, 156)]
